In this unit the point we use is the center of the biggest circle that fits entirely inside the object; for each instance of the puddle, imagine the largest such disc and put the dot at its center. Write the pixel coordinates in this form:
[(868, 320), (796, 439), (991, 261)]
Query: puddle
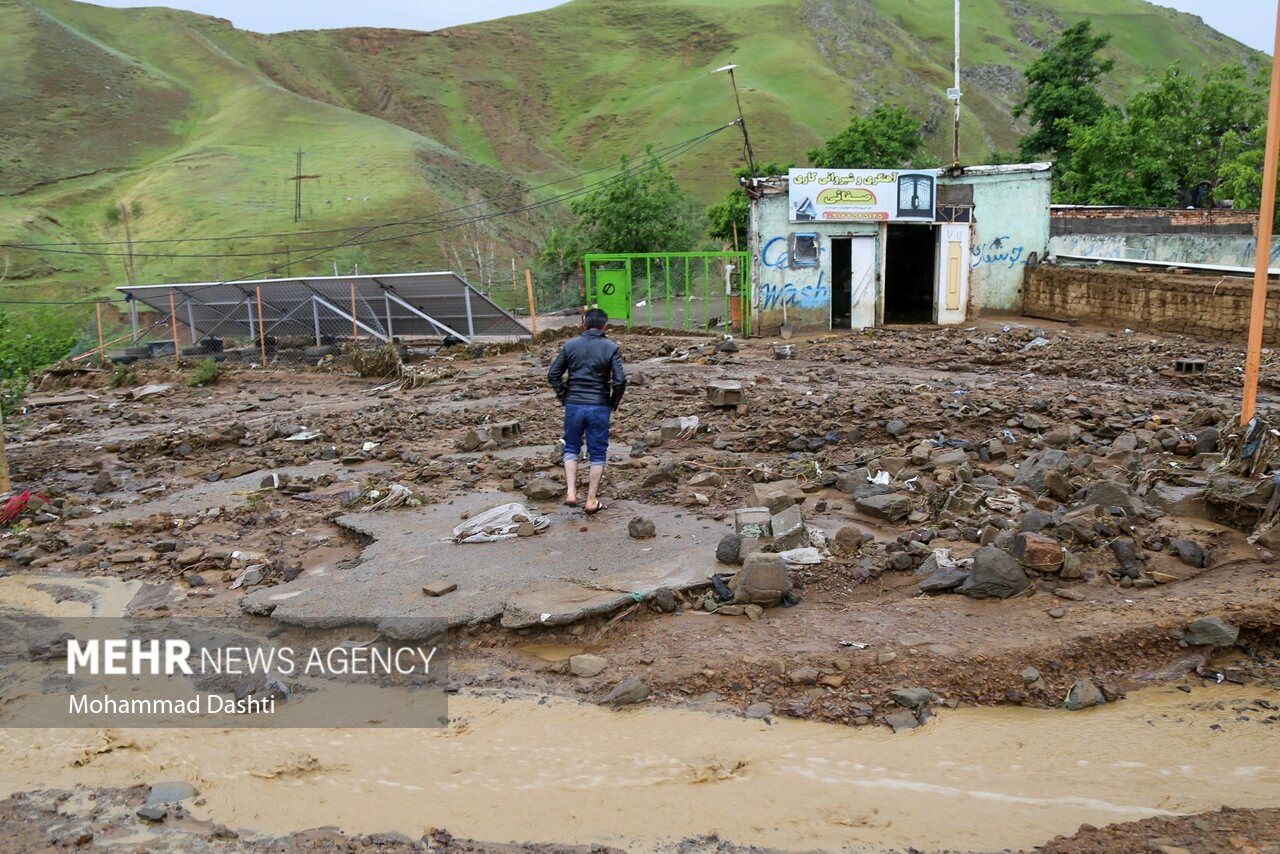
[(530, 769), (552, 651), (67, 596)]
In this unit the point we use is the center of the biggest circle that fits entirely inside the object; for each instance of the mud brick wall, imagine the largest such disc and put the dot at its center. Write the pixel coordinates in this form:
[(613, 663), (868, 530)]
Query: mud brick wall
[(1204, 306), (1093, 220)]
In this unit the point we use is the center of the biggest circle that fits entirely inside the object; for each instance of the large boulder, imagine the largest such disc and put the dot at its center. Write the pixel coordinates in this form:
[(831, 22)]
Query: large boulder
[(763, 580), (995, 575), (1038, 552), (1177, 500)]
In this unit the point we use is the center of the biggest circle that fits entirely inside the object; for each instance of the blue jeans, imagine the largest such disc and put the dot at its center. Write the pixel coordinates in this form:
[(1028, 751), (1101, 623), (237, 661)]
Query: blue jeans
[(593, 421)]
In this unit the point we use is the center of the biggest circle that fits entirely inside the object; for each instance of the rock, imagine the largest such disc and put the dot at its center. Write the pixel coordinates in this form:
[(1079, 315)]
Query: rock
[(665, 600), (1069, 593), (1035, 521), (949, 458), (729, 550), (1126, 551), (1178, 500), (190, 556), (1030, 675), (752, 522), (724, 393), (1059, 485), (103, 483), (1207, 439), (900, 561), (1210, 631), (543, 489), (1058, 437), (849, 539), (763, 580), (152, 812), (899, 721), (586, 665), (668, 472), (1038, 552), (803, 676), (896, 428), (995, 575), (641, 528), (891, 507), (1108, 494), (1084, 695), (1240, 494), (788, 529), (1190, 553), (943, 579), (728, 345), (759, 711), (1031, 474), (439, 587), (912, 698), (628, 692), (886, 658), (777, 495)]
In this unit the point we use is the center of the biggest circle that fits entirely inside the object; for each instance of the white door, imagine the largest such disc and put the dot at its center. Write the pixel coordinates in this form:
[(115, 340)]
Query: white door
[(862, 263), (953, 273)]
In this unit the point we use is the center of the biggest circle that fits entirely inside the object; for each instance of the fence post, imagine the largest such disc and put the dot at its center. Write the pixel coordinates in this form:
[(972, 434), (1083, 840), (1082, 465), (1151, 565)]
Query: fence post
[(133, 318), (102, 347), (466, 298), (173, 324), (262, 329), (533, 314), (355, 327), (315, 319)]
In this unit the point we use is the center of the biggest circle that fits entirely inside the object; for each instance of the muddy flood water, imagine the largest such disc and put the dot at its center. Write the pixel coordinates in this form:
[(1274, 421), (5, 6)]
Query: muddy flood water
[(553, 770)]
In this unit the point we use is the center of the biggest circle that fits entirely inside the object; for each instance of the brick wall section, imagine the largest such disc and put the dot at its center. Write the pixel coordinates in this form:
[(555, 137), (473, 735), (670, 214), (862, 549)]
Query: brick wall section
[(1090, 220), (1204, 306)]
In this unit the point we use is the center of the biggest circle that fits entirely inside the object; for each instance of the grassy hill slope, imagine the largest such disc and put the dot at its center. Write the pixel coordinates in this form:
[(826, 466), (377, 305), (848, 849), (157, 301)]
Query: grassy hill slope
[(198, 122)]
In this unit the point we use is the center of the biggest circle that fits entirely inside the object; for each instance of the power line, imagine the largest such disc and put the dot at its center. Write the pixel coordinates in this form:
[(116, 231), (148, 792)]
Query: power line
[(669, 154), (657, 152)]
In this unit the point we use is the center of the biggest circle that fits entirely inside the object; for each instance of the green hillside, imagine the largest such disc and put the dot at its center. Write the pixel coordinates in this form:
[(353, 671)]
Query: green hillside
[(194, 123)]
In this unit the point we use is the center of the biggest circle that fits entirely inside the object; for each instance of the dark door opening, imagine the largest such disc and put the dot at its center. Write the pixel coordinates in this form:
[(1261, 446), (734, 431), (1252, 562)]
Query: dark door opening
[(910, 263), (841, 283)]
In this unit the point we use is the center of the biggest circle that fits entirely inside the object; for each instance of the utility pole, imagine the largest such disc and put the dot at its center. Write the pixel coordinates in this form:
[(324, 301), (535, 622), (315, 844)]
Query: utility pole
[(1266, 223), (128, 244), (297, 180), (742, 121), (954, 92)]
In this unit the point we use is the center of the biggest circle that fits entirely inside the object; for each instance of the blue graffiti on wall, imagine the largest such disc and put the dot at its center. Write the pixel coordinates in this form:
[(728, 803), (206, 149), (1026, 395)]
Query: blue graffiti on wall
[(996, 253), (796, 296), (772, 256)]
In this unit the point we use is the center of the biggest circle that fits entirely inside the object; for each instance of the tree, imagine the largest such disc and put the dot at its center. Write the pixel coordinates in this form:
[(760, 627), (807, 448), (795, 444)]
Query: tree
[(890, 137), (734, 210), (1062, 91), (643, 209), (1174, 144)]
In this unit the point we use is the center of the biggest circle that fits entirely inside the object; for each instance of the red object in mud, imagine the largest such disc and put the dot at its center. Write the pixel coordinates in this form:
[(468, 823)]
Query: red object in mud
[(16, 504)]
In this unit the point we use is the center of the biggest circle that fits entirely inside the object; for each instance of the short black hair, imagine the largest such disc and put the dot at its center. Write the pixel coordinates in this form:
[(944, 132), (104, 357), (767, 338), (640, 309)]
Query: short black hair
[(595, 319)]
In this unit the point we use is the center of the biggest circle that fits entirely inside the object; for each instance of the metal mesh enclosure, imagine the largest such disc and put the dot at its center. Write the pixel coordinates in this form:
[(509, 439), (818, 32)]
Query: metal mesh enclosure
[(325, 309)]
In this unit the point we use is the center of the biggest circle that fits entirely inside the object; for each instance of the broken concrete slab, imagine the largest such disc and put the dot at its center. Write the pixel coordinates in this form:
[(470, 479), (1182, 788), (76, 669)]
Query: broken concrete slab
[(724, 393), (557, 578)]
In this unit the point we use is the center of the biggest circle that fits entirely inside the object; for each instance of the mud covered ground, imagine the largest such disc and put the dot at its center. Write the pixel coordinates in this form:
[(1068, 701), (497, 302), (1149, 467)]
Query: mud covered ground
[(1087, 440)]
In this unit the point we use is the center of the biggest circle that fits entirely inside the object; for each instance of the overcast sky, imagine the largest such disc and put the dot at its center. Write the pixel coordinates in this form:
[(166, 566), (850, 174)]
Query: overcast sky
[(1250, 21)]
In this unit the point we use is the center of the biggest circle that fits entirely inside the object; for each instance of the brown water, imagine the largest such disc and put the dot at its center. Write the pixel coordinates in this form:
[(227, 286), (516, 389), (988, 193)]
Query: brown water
[(560, 771), (554, 770)]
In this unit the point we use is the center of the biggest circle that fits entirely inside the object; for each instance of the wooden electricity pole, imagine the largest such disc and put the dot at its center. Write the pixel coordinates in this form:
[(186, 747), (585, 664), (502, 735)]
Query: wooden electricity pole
[(5, 485), (297, 180), (1266, 223), (533, 312)]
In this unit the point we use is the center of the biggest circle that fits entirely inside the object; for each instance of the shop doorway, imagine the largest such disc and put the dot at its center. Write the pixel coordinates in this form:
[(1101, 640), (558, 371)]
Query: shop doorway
[(841, 283), (910, 266)]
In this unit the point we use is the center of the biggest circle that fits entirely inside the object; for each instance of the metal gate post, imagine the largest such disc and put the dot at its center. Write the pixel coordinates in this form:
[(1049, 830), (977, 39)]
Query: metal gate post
[(133, 317), (315, 318), (387, 302), (466, 298), (191, 320)]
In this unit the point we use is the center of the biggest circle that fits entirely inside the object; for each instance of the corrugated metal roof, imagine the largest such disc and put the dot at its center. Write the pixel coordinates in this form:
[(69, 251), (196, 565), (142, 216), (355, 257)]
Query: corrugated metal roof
[(396, 304)]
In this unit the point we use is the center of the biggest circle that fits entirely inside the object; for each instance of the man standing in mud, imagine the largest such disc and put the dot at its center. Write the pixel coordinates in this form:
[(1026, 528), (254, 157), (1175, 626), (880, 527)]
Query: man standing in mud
[(590, 395)]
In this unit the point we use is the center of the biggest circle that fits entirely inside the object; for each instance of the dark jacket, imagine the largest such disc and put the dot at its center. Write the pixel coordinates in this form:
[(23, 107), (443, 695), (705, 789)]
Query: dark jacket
[(594, 365)]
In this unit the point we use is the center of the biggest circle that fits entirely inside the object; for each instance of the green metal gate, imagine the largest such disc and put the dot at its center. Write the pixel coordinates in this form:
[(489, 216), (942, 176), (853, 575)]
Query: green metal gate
[(674, 290)]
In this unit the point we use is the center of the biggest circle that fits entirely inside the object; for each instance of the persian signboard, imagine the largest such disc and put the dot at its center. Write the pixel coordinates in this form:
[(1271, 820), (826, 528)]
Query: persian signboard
[(861, 195)]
